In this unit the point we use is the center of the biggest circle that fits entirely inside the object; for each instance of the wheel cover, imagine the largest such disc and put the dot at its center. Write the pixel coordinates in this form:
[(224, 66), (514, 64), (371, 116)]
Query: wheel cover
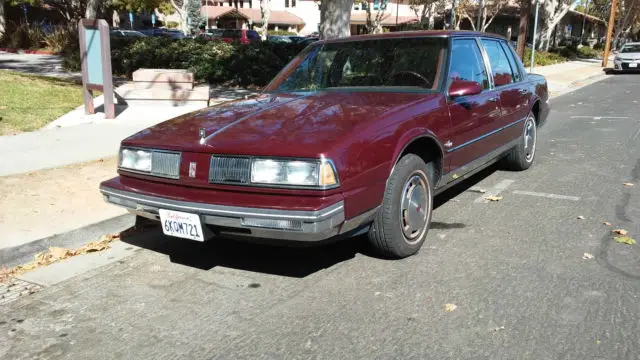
[(529, 139), (415, 207)]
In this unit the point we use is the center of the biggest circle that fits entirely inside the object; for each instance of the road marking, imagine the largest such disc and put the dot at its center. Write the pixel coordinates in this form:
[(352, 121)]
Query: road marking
[(598, 117), (497, 189), (547, 195)]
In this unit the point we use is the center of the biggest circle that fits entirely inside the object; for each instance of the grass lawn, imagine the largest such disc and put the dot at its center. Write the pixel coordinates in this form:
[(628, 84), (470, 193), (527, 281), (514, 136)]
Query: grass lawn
[(29, 102)]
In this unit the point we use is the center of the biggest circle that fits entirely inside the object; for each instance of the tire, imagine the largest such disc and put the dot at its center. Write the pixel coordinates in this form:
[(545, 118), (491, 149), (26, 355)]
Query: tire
[(522, 155), (394, 233)]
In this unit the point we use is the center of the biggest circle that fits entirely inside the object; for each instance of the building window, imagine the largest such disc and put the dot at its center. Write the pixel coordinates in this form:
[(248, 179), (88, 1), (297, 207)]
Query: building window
[(241, 3), (286, 3), (293, 3), (230, 3)]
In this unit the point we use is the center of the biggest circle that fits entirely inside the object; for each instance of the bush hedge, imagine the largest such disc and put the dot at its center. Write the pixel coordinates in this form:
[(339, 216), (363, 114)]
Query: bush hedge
[(543, 58), (281, 32), (215, 62)]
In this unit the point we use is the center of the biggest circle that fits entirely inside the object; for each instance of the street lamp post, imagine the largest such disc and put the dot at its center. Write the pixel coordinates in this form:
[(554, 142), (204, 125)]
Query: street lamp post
[(535, 31)]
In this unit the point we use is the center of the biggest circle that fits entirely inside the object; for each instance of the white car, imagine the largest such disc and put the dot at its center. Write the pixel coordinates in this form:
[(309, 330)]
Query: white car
[(628, 58)]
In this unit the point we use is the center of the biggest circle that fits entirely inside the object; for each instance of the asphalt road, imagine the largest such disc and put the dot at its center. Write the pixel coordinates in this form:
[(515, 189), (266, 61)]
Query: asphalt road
[(514, 269)]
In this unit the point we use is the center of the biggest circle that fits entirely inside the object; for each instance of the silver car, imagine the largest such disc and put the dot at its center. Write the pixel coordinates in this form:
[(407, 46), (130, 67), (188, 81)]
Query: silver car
[(628, 58)]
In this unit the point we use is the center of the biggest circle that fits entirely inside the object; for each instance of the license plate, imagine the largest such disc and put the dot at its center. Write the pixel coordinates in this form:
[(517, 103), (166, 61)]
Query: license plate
[(633, 65), (180, 224)]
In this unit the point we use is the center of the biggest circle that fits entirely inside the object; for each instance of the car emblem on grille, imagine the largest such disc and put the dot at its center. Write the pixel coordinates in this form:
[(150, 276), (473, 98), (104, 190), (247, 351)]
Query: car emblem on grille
[(192, 169), (203, 135)]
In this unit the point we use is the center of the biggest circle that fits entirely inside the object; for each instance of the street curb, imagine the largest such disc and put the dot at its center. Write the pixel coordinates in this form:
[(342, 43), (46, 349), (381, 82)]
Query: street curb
[(579, 84), (24, 253)]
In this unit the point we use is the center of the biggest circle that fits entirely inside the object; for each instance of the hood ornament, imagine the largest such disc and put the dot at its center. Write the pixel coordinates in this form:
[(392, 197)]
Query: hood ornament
[(203, 135)]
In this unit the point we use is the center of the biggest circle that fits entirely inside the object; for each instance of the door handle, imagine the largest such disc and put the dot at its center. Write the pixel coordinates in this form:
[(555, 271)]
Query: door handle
[(523, 91), (493, 99)]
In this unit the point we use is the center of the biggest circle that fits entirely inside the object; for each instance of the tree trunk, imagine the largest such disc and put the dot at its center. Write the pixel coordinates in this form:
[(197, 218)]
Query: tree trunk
[(2, 19), (116, 19), (432, 16), (181, 11), (525, 10), (265, 11), (92, 9), (334, 18), (550, 23)]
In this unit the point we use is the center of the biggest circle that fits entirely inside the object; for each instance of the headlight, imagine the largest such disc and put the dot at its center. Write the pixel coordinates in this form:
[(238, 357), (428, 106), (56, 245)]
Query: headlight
[(134, 159), (304, 173)]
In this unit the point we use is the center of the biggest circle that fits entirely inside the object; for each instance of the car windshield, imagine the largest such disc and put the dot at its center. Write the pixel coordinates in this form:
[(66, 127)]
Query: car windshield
[(410, 63), (632, 48)]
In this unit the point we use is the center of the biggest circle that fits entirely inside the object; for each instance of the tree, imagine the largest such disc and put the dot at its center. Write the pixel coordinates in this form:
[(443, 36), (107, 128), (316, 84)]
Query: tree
[(375, 14), (335, 16), (426, 11), (2, 19), (265, 13), (628, 15), (194, 15), (468, 9), (525, 11), (552, 12)]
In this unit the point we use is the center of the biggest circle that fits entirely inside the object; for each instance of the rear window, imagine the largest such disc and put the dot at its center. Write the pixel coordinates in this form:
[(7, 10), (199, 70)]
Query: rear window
[(410, 63)]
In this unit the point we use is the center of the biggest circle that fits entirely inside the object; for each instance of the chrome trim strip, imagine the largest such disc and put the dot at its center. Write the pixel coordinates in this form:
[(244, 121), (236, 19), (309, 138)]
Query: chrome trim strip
[(207, 209), (485, 135)]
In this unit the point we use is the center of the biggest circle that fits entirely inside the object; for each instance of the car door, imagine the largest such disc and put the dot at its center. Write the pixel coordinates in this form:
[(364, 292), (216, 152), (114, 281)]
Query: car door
[(475, 117), (511, 90)]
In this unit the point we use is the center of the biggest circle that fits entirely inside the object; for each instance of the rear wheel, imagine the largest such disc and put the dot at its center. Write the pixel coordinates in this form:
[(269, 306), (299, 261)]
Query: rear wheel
[(400, 226), (521, 156)]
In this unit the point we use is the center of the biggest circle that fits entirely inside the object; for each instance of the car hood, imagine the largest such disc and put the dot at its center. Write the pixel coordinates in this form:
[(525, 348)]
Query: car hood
[(630, 55), (276, 124)]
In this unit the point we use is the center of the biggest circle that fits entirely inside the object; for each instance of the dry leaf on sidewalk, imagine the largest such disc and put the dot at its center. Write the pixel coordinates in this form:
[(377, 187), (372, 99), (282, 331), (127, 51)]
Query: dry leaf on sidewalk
[(494, 198), (587, 256), (607, 223), (449, 307), (620, 231), (60, 253), (625, 240), (627, 184), (581, 217)]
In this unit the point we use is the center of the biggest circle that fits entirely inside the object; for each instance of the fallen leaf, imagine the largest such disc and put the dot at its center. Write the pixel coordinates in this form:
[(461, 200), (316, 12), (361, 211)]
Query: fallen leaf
[(581, 217), (60, 253), (587, 256), (627, 184), (478, 190), (607, 223), (498, 328), (494, 198), (449, 307), (620, 231), (625, 240)]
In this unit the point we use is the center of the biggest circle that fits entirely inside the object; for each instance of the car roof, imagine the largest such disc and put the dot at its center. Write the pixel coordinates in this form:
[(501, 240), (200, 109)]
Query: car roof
[(412, 34)]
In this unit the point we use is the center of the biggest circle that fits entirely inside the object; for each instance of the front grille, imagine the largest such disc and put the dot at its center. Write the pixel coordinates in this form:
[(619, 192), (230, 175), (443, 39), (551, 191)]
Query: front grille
[(165, 164), (230, 170)]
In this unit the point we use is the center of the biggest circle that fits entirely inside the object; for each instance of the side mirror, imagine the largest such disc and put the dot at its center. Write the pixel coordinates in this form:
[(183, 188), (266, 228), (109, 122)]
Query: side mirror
[(464, 88)]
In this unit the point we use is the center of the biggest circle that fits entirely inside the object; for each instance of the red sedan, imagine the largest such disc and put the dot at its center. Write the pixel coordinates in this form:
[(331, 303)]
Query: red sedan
[(354, 135)]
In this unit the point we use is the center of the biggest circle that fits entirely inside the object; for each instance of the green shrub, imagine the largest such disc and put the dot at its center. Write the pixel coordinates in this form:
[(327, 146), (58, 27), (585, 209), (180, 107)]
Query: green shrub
[(60, 38), (281, 32), (22, 36), (586, 52), (543, 58), (172, 24), (598, 46), (215, 62)]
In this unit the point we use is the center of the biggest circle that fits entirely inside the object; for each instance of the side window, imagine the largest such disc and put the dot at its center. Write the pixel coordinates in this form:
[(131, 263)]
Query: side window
[(467, 63), (502, 74), (515, 67)]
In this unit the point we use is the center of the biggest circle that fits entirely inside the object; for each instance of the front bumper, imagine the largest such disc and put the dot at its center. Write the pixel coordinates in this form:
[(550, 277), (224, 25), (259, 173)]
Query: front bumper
[(623, 65), (246, 222)]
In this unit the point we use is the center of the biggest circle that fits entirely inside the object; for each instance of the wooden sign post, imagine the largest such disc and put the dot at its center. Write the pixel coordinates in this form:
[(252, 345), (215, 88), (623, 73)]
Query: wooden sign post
[(95, 56)]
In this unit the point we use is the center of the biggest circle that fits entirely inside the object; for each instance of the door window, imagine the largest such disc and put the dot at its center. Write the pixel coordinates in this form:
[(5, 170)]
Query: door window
[(515, 67), (467, 63), (502, 74)]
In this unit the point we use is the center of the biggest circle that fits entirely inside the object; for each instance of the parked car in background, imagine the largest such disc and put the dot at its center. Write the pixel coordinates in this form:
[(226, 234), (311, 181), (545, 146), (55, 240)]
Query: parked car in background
[(118, 33), (280, 39), (628, 58), (155, 32), (307, 40), (354, 136), (230, 35), (175, 34)]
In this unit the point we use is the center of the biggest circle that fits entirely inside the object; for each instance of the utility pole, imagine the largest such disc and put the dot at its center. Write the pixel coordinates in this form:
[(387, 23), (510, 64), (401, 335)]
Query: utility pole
[(607, 46), (525, 9), (480, 12)]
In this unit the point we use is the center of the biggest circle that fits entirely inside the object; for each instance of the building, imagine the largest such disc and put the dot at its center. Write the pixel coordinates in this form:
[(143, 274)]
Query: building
[(301, 16)]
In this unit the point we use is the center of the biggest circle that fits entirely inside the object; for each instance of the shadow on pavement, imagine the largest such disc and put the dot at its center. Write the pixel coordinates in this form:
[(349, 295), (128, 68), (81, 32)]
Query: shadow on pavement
[(288, 261), (292, 261)]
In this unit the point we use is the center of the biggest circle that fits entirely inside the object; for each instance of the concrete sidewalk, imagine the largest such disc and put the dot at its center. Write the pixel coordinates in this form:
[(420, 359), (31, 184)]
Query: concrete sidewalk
[(566, 77)]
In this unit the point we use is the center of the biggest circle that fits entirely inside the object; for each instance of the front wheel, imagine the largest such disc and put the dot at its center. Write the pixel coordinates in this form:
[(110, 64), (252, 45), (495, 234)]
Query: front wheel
[(400, 226), (521, 156)]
